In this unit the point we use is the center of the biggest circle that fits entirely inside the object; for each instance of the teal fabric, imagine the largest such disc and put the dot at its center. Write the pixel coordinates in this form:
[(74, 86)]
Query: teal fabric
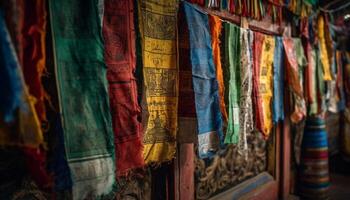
[(232, 57), (82, 88)]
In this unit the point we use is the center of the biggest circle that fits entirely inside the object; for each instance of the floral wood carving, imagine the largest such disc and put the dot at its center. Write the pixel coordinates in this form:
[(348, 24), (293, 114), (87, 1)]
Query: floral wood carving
[(229, 168)]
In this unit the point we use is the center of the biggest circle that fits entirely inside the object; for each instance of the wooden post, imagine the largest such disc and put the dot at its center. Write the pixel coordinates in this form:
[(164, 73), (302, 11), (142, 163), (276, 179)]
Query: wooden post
[(286, 157)]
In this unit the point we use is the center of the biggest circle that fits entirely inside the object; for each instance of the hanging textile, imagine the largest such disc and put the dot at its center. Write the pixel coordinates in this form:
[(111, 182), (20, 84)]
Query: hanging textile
[(158, 23), (15, 97), (33, 38), (323, 48), (215, 30), (188, 130), (314, 174), (82, 91), (10, 78), (266, 83), (232, 57), (246, 123), (119, 36), (278, 81), (257, 98), (264, 49), (205, 84), (296, 62), (311, 79)]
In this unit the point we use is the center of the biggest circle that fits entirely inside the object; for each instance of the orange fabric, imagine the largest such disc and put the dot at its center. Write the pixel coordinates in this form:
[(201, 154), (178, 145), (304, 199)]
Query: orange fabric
[(215, 29)]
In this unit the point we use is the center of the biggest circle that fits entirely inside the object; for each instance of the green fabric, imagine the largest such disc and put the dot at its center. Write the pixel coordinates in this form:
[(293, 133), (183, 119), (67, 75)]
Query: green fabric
[(313, 108), (82, 87), (232, 57)]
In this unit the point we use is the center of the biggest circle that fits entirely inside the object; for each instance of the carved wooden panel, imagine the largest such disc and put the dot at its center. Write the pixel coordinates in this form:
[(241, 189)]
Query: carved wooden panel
[(135, 187), (229, 168)]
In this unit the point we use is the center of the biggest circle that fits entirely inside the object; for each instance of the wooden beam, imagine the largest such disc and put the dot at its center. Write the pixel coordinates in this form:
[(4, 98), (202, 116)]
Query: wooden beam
[(286, 159), (265, 26)]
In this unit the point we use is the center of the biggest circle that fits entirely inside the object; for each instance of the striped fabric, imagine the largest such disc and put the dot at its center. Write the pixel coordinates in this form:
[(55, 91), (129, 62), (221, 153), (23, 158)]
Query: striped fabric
[(314, 175)]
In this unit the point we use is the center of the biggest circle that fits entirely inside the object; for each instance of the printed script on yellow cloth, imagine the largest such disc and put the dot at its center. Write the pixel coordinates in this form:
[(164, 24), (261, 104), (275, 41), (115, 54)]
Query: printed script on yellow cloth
[(266, 82), (158, 23), (323, 49)]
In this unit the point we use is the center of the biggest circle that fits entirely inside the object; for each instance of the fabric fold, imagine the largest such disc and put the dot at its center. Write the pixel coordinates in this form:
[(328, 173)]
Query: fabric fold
[(210, 135), (232, 56), (158, 24), (215, 30), (83, 95), (120, 58), (246, 88), (296, 63), (278, 81)]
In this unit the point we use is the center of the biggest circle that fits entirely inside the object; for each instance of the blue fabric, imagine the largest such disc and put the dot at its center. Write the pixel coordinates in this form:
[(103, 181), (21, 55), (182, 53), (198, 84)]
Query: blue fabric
[(205, 84), (10, 78), (278, 80)]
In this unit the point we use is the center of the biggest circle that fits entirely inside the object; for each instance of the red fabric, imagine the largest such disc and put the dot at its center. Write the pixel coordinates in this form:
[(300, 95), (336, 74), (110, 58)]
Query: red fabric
[(199, 2), (257, 48), (119, 35), (32, 59)]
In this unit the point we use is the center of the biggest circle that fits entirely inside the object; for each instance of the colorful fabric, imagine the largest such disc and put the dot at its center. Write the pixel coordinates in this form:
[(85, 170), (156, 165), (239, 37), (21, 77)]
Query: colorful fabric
[(246, 123), (34, 50), (311, 79), (314, 174), (266, 83), (232, 55), (257, 98), (210, 135), (296, 62), (10, 78), (215, 30), (278, 81), (120, 58), (158, 22), (83, 95), (323, 48), (14, 96)]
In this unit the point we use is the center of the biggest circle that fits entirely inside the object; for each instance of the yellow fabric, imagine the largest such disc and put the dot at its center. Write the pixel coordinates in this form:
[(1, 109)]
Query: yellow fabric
[(158, 21), (26, 132), (266, 82), (325, 60)]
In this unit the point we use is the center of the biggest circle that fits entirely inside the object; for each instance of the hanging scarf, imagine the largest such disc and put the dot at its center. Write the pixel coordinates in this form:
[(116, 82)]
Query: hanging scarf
[(82, 88), (158, 22), (215, 30), (204, 83), (311, 78), (266, 83), (119, 36), (278, 81), (187, 109), (323, 49), (257, 98), (10, 81), (232, 55), (246, 123), (294, 73), (33, 37), (14, 96)]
